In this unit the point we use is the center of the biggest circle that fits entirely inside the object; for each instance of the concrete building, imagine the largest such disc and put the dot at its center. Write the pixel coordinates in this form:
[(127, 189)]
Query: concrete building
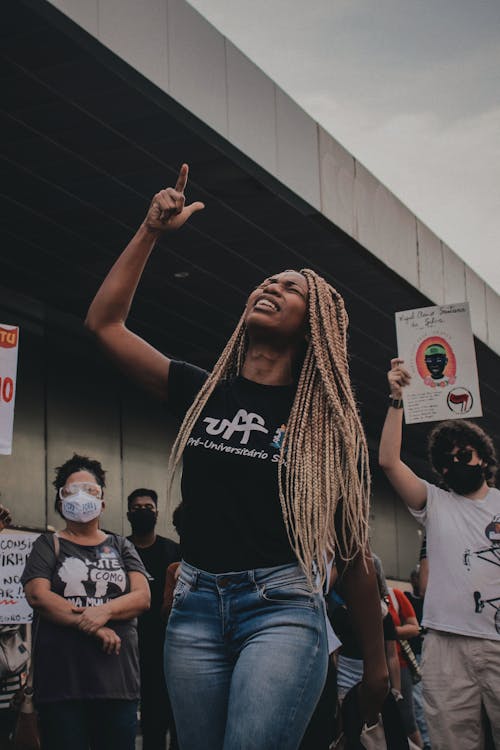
[(102, 101)]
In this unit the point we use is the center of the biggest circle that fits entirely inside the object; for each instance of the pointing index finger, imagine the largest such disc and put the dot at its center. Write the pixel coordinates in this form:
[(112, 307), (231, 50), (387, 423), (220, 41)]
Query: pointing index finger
[(182, 178)]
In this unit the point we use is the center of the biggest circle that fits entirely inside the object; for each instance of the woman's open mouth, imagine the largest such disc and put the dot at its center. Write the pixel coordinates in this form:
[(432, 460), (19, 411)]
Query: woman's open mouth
[(266, 304)]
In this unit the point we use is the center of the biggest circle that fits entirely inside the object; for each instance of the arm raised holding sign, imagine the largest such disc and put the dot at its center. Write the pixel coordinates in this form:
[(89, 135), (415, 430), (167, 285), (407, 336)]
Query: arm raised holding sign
[(406, 483), (108, 312)]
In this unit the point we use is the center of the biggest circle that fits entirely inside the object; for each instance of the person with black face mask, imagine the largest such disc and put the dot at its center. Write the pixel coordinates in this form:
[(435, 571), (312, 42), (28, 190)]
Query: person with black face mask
[(461, 652), (157, 553)]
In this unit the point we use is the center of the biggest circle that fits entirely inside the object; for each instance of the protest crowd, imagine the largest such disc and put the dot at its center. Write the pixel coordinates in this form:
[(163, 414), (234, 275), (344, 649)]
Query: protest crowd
[(270, 625)]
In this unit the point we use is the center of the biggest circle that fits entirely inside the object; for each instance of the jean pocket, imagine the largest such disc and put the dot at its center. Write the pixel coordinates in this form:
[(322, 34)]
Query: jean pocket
[(180, 591), (291, 592)]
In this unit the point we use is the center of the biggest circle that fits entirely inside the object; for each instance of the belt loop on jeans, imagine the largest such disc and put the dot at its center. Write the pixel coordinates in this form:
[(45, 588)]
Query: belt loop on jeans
[(194, 582)]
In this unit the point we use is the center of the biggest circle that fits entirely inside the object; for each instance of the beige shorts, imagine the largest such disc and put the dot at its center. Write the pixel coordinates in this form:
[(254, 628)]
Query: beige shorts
[(459, 673)]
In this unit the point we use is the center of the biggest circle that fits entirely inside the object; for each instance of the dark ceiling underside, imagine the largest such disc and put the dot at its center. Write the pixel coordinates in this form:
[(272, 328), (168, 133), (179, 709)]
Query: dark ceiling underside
[(86, 142)]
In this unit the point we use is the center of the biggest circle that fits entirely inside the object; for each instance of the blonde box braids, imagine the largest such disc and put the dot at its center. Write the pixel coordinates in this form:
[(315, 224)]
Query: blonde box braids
[(324, 456)]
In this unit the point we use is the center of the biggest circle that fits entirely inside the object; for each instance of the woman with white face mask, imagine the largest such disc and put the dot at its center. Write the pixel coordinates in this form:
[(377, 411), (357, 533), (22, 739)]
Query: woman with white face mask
[(87, 588)]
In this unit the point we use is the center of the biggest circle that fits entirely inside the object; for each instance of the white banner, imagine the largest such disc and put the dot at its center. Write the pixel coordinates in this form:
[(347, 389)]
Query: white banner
[(437, 347), (9, 341), (14, 550)]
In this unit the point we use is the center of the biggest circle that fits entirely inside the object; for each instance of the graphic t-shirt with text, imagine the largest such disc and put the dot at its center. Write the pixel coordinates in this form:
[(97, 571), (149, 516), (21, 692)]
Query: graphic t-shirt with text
[(232, 516), (70, 665)]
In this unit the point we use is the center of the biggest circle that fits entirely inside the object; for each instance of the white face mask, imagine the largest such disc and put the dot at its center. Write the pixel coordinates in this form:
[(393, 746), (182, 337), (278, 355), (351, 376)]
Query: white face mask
[(81, 507)]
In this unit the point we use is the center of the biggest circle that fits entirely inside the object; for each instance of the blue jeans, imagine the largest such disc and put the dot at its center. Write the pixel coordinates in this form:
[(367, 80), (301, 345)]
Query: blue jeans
[(418, 705), (245, 658), (94, 724)]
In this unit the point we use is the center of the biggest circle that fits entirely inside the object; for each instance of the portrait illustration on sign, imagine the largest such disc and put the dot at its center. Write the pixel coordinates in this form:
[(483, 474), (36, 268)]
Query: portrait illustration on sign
[(436, 362)]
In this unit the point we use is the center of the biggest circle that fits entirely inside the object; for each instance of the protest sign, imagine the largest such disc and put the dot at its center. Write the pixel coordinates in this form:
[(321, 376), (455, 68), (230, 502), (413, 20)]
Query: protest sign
[(14, 551), (9, 338), (437, 347)]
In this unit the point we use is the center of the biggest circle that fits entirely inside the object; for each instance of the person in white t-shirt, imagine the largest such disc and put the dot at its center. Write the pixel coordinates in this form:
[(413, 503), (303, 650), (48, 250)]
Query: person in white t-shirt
[(461, 655)]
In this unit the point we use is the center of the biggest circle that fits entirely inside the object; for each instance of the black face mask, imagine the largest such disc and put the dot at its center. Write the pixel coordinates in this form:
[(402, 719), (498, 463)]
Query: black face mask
[(464, 479), (142, 521)]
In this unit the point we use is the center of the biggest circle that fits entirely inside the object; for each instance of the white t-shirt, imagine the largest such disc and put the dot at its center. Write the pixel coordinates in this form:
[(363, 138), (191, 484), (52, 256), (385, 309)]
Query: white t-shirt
[(463, 547)]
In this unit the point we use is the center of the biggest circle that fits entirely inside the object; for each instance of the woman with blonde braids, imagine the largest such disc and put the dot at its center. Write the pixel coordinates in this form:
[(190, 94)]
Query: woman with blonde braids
[(275, 479)]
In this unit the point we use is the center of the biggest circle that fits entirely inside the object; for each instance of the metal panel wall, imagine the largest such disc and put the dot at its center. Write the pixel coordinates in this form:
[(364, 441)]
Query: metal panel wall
[(83, 416), (169, 42), (69, 400), (22, 475), (147, 434), (395, 536)]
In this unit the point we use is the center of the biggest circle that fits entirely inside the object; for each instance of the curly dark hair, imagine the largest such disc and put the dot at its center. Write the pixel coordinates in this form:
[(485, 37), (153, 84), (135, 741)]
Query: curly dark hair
[(71, 466), (447, 435)]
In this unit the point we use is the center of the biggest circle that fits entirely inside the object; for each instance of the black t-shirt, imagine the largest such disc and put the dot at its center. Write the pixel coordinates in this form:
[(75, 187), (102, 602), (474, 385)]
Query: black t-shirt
[(156, 559), (70, 665), (423, 549), (417, 603), (342, 625), (232, 517)]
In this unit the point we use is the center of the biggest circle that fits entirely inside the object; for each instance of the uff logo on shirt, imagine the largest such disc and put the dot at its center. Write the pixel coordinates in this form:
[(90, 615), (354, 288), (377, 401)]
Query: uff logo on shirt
[(243, 422)]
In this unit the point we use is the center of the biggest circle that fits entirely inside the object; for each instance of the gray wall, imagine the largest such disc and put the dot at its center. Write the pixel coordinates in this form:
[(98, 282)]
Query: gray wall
[(394, 534), (69, 400)]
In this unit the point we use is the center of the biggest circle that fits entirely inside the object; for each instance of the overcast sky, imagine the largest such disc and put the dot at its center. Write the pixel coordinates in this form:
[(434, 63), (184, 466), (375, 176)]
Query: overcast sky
[(411, 89)]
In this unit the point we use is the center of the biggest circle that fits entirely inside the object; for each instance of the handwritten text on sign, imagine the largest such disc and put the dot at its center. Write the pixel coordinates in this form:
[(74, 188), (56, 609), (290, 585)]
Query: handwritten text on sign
[(437, 347), (14, 551)]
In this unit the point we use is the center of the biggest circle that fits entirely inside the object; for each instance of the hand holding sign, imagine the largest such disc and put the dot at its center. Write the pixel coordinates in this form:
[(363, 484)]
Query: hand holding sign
[(398, 378)]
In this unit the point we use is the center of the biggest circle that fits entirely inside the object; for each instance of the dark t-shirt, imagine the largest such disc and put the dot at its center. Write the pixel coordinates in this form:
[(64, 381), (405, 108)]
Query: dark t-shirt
[(423, 549), (232, 517), (342, 624), (417, 603), (70, 665), (156, 560)]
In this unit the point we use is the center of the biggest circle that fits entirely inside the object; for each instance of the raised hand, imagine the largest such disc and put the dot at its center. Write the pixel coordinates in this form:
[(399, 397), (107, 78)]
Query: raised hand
[(168, 210), (398, 378)]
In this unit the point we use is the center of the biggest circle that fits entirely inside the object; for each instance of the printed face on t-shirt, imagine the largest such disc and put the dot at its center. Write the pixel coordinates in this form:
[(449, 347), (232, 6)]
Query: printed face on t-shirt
[(91, 580)]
